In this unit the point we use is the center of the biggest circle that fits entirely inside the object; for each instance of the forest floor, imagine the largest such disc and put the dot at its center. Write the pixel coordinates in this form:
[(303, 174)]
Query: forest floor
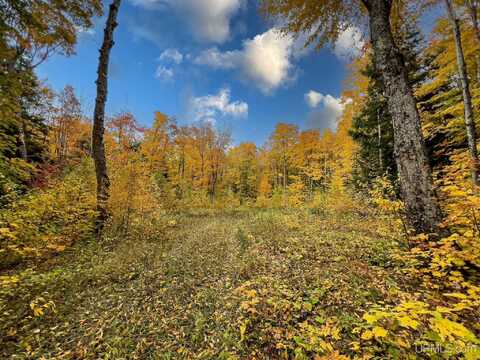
[(207, 284)]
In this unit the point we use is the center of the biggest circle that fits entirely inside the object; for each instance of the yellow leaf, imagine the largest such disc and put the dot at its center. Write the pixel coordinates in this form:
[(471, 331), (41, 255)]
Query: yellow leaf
[(243, 329), (369, 318), (367, 335), (402, 343), (457, 295), (355, 346), (379, 332), (408, 322), (37, 311)]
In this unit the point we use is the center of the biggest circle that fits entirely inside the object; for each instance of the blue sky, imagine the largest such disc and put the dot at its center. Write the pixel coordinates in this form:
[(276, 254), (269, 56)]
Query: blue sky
[(208, 60)]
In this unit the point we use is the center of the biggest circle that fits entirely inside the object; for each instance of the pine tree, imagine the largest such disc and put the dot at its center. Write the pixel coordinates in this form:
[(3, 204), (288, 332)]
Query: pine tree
[(372, 129)]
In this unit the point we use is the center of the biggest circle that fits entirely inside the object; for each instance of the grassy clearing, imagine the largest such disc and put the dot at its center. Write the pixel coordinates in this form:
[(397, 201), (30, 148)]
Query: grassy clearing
[(206, 284)]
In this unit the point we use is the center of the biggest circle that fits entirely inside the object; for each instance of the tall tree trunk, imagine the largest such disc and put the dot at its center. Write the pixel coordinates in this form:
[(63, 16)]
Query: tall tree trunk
[(422, 210), (98, 145), (467, 97), (472, 7), (379, 133)]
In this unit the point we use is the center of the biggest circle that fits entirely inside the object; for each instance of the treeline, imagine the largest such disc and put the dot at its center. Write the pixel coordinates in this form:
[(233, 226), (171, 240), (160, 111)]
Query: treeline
[(198, 163)]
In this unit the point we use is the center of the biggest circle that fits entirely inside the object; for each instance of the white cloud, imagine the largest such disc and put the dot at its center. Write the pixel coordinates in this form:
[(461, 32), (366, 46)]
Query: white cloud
[(327, 110), (85, 31), (209, 20), (164, 73), (313, 98), (349, 44), (219, 60), (209, 107), (265, 60), (172, 55)]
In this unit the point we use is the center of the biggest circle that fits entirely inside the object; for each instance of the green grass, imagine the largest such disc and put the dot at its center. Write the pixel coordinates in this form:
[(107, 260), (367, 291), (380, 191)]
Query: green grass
[(205, 284)]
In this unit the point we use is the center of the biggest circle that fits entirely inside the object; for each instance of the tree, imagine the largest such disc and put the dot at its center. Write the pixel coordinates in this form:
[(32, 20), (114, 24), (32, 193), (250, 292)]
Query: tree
[(472, 8), (372, 130), (216, 160), (98, 146), (466, 93), (126, 131), (38, 28), (282, 143), (242, 171), (440, 98), (64, 124), (30, 31), (23, 128), (372, 126), (324, 20), (309, 159), (156, 144), (328, 155)]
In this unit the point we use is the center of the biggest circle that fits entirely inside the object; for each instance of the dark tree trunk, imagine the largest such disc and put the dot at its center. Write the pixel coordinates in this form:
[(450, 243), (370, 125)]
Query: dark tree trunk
[(98, 145), (465, 86), (422, 210)]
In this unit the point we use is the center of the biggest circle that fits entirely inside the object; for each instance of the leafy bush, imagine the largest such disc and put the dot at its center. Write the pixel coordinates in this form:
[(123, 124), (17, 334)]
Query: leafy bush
[(47, 221)]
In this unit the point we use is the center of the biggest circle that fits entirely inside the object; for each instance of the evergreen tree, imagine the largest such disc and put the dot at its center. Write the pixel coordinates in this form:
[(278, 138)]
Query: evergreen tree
[(372, 129), (23, 130)]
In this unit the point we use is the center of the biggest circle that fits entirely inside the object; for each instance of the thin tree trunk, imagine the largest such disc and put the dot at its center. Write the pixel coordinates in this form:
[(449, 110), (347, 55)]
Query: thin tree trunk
[(62, 141), (467, 97), (422, 210), (23, 142), (472, 6), (379, 133), (477, 61), (98, 145), (325, 179)]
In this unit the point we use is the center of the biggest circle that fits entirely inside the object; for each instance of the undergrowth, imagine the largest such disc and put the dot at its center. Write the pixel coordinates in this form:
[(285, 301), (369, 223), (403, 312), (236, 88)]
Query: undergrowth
[(336, 279)]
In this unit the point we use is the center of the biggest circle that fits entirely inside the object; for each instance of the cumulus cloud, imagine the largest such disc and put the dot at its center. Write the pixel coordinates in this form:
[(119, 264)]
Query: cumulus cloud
[(172, 55), (209, 20), (313, 98), (326, 112), (349, 44), (265, 60), (164, 73), (209, 107)]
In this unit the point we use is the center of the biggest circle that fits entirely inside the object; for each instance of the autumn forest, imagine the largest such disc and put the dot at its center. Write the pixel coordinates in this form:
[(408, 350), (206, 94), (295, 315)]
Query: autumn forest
[(167, 238)]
